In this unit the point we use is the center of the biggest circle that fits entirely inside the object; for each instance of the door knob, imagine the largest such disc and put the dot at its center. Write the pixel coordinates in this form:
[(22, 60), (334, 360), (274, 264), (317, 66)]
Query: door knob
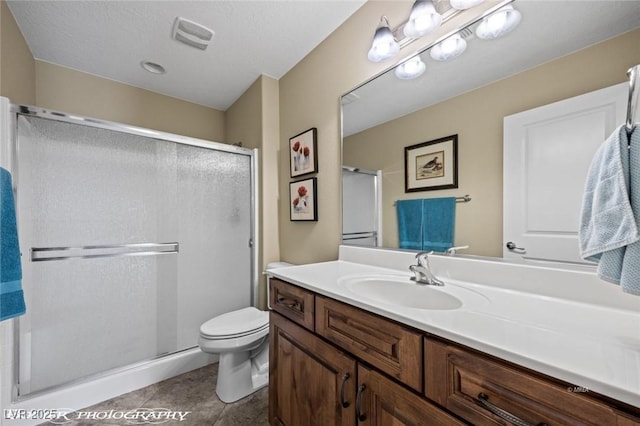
[(513, 247)]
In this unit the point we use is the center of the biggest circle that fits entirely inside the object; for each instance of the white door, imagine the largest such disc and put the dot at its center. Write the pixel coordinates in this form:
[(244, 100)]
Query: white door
[(547, 153)]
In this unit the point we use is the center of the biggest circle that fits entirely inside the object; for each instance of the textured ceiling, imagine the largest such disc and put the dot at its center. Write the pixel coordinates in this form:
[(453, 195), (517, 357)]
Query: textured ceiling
[(111, 38)]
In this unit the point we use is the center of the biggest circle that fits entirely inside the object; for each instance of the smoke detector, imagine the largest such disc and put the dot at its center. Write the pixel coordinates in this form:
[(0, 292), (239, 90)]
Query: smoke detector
[(191, 33)]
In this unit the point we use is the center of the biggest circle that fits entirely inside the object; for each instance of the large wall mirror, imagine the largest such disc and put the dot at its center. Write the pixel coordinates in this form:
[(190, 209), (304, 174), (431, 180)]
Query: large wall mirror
[(559, 50)]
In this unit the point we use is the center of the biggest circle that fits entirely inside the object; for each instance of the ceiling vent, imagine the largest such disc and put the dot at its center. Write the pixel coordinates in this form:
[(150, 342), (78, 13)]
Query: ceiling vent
[(191, 33)]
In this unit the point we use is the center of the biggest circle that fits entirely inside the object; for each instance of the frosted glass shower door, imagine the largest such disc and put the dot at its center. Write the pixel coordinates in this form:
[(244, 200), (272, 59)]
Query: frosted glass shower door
[(129, 243)]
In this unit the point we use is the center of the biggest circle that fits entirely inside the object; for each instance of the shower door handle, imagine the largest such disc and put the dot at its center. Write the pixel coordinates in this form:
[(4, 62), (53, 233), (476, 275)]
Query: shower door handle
[(40, 254)]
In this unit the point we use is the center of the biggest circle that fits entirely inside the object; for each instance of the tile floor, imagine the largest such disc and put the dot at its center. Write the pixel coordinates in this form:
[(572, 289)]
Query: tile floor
[(193, 392)]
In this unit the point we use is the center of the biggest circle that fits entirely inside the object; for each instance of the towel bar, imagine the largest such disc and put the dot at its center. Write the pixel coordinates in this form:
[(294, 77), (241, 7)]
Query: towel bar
[(464, 199), (40, 254)]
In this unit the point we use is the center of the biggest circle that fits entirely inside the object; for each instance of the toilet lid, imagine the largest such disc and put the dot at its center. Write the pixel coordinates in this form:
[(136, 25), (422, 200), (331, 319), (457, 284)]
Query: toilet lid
[(236, 323)]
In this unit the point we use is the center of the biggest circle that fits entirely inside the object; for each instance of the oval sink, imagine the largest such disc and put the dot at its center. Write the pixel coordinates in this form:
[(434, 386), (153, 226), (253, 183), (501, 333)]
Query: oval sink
[(400, 291)]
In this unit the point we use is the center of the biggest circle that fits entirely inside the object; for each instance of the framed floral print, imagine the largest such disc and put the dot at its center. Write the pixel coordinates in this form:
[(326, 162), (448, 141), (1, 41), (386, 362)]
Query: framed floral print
[(303, 200), (302, 152)]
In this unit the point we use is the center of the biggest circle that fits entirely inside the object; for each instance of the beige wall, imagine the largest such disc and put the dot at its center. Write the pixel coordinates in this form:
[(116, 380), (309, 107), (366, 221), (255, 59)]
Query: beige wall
[(75, 92), (253, 120), (477, 118), (17, 67), (309, 97)]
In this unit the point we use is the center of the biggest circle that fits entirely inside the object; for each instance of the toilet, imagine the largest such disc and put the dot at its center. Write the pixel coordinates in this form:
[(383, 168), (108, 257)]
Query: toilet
[(241, 338)]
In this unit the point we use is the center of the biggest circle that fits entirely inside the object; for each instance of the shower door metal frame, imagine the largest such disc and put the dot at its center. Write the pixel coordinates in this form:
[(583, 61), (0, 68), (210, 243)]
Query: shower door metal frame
[(10, 152)]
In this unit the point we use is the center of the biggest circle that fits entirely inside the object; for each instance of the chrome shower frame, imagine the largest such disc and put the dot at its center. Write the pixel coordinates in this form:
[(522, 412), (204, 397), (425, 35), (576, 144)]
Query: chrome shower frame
[(9, 155)]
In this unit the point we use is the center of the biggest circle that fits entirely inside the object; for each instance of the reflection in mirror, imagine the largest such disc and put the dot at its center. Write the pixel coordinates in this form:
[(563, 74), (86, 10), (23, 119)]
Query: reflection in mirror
[(559, 50)]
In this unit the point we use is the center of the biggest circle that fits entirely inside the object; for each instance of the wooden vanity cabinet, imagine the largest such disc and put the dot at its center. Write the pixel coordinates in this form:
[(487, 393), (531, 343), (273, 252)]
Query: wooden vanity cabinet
[(486, 391), (334, 364), (313, 377), (311, 382)]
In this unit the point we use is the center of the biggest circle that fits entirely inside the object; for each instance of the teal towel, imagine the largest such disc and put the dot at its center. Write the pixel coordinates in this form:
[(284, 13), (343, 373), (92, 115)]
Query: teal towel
[(426, 224), (409, 224), (438, 223), (11, 295)]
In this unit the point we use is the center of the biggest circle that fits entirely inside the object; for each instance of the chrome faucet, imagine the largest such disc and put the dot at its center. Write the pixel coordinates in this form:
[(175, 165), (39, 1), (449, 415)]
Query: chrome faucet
[(423, 274)]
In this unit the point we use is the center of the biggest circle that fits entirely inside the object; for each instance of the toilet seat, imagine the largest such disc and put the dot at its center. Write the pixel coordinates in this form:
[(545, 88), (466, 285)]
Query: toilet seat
[(242, 322)]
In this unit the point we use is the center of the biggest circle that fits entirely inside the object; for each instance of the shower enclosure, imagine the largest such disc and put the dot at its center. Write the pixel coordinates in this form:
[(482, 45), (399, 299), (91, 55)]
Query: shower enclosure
[(130, 240), (361, 207)]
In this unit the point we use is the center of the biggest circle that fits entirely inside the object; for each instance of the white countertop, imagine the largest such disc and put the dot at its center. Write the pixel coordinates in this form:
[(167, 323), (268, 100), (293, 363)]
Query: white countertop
[(566, 324)]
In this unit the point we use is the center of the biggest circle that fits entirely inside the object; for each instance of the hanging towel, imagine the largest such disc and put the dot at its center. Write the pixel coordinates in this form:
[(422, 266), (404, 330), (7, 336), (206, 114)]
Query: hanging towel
[(607, 220), (409, 214), (11, 295), (630, 275), (608, 225), (438, 223), (426, 224)]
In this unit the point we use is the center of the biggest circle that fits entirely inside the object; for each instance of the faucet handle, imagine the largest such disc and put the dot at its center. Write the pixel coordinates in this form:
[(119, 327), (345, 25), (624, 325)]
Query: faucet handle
[(453, 250), (422, 258)]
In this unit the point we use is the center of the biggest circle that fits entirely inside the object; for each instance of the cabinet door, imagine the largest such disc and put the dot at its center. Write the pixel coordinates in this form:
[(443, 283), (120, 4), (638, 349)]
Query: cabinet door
[(382, 402), (311, 382)]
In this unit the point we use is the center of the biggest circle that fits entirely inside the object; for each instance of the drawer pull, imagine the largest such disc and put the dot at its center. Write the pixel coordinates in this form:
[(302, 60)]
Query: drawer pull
[(359, 414), (484, 400), (344, 403), (289, 303)]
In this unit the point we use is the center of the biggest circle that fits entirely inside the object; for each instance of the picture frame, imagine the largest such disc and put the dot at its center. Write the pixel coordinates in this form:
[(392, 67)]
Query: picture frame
[(303, 200), (431, 165), (303, 153)]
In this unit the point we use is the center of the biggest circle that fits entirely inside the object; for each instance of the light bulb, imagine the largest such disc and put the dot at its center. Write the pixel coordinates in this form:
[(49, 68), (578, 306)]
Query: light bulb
[(423, 19), (411, 68), (448, 48), (384, 46), (464, 4), (498, 23)]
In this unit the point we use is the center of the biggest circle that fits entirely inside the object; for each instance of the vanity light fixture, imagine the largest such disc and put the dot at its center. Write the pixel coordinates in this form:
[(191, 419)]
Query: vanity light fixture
[(498, 23), (448, 48), (411, 68), (464, 4), (423, 19), (384, 46)]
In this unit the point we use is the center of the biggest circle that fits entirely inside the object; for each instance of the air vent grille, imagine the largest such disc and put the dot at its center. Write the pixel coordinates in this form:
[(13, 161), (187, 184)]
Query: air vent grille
[(191, 33)]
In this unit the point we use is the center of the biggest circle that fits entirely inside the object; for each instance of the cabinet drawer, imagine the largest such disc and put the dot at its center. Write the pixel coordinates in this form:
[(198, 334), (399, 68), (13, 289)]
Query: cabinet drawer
[(293, 302), (472, 386), (388, 346)]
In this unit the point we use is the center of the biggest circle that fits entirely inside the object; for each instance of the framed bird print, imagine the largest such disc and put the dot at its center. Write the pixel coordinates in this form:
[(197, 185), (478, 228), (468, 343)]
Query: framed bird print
[(431, 165)]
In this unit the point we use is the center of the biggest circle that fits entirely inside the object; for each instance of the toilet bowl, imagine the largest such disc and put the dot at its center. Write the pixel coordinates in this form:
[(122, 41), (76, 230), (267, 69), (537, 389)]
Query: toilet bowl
[(241, 338)]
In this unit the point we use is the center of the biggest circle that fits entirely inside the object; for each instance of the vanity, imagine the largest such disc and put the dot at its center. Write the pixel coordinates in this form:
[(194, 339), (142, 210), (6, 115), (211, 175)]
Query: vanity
[(354, 341)]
